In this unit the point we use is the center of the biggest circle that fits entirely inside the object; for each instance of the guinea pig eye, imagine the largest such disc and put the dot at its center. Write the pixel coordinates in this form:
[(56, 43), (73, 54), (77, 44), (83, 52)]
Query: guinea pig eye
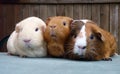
[(92, 37), (64, 23), (84, 47), (36, 29)]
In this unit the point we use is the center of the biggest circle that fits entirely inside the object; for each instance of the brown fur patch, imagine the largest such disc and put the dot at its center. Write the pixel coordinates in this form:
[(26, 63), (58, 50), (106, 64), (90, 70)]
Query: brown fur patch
[(17, 29)]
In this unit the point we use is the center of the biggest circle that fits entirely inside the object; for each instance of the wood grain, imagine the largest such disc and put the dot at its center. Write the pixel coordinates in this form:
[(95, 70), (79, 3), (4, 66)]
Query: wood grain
[(51, 10), (76, 12), (119, 30), (1, 22), (87, 11), (18, 9), (60, 10), (104, 17), (114, 20), (96, 13), (69, 10), (43, 12)]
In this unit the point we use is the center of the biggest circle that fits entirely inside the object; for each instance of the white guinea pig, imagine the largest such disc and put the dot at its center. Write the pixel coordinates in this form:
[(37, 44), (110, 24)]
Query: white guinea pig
[(27, 39)]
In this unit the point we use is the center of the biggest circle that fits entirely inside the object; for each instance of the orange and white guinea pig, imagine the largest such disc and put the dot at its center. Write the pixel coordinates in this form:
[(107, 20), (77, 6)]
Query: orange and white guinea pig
[(27, 40), (89, 41), (56, 33)]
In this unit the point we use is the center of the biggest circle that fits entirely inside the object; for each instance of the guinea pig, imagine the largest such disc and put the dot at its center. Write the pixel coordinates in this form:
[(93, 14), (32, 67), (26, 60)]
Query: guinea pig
[(56, 33), (27, 40), (89, 41)]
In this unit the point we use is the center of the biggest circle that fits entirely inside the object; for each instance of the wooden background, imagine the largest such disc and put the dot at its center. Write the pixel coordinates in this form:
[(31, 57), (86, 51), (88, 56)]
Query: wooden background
[(106, 13)]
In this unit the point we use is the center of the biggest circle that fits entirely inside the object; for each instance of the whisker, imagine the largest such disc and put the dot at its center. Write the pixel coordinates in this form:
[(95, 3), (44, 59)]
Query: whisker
[(91, 54), (94, 52), (68, 51), (91, 57)]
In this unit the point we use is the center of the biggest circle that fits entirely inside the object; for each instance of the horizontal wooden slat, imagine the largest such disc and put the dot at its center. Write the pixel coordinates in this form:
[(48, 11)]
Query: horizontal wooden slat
[(59, 1)]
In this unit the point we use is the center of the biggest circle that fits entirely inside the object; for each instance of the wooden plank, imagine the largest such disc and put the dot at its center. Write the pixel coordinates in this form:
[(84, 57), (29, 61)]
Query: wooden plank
[(58, 1), (1, 25), (96, 13), (77, 11), (80, 11), (2, 14), (1, 21), (119, 30), (104, 17), (51, 10), (87, 11), (8, 19), (114, 20), (43, 12), (31, 10), (34, 10), (4, 18), (69, 10), (18, 13), (60, 10), (9, 24), (26, 11)]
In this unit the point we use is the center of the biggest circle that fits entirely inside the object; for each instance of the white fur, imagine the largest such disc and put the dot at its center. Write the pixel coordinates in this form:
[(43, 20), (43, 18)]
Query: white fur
[(36, 47), (81, 41), (10, 42), (84, 21)]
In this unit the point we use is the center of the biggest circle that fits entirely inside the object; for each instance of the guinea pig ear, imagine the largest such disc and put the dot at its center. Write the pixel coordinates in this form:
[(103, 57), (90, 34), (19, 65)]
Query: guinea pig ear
[(48, 19), (43, 28), (17, 29), (71, 21), (99, 36), (76, 24)]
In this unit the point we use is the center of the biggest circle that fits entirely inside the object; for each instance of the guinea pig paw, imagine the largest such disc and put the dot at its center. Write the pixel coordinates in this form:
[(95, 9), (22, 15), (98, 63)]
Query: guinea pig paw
[(10, 54), (107, 59)]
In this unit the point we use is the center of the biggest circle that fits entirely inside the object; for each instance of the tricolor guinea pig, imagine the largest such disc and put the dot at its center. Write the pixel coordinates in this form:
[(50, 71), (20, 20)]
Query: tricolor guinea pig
[(56, 33), (27, 40), (90, 42)]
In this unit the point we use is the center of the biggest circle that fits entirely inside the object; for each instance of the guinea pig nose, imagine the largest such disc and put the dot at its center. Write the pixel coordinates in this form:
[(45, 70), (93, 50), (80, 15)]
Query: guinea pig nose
[(27, 41), (53, 26), (81, 47)]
